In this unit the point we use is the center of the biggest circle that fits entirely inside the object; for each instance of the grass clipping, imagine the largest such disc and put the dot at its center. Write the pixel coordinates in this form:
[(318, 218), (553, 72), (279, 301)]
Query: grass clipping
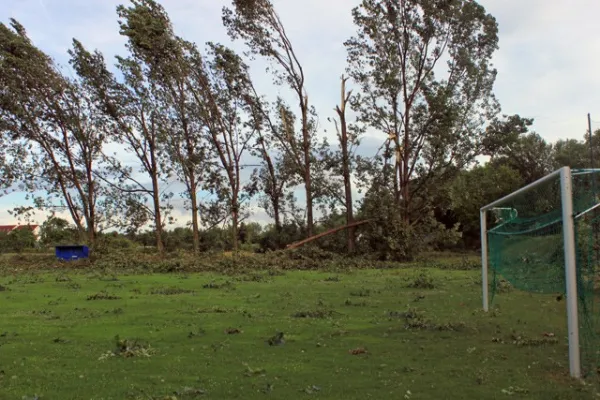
[(128, 348)]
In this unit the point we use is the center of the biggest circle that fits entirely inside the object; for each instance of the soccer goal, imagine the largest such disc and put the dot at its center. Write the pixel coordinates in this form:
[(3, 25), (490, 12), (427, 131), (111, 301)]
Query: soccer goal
[(543, 238)]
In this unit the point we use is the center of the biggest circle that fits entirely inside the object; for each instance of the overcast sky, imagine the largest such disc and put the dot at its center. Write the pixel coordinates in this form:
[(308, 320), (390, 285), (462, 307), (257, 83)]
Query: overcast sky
[(548, 62)]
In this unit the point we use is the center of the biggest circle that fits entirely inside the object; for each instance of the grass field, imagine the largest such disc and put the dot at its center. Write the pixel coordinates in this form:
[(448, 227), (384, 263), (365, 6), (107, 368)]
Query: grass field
[(380, 334)]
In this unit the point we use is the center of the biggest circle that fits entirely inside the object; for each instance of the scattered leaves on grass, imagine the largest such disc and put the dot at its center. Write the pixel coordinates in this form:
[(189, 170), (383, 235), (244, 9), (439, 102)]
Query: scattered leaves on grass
[(276, 340), (189, 393), (361, 293), (311, 389), (358, 351), (253, 371), (127, 348), (214, 310), (503, 286), (349, 302), (418, 297), (214, 285), (313, 314), (422, 281), (168, 291), (103, 295), (63, 278), (198, 332), (73, 286), (514, 390), (523, 341)]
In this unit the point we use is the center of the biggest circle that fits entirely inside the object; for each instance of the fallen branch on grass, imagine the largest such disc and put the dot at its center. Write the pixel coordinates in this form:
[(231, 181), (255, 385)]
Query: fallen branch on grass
[(329, 232)]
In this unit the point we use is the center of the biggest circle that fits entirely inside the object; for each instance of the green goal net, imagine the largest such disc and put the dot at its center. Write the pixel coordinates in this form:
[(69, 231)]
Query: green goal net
[(526, 248)]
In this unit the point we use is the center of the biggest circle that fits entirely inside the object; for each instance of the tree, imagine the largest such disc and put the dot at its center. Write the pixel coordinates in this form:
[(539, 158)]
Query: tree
[(530, 155), (53, 118), (224, 100), (257, 23), (432, 124), (474, 188), (137, 120), (57, 231), (347, 141), (570, 152), (167, 66)]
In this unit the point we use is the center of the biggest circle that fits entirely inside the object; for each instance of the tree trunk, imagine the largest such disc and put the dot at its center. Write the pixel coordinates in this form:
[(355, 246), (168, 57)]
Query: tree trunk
[(91, 208), (351, 231), (195, 224), (307, 164), (234, 224), (276, 213), (157, 215), (405, 169)]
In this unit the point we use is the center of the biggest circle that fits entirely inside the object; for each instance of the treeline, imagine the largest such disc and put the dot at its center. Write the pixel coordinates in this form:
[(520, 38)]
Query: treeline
[(418, 74)]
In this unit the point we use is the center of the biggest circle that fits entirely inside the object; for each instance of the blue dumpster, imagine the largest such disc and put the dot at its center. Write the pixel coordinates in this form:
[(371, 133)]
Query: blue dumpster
[(73, 252)]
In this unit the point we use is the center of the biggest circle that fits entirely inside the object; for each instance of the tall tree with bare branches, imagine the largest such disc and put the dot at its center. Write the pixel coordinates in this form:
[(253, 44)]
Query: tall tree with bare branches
[(433, 117), (257, 23)]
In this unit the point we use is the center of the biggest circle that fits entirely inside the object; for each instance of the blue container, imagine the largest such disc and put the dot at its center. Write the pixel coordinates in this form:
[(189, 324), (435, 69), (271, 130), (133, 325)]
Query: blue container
[(74, 252)]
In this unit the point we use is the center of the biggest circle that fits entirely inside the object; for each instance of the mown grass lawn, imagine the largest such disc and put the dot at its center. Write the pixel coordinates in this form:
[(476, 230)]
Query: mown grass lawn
[(380, 334)]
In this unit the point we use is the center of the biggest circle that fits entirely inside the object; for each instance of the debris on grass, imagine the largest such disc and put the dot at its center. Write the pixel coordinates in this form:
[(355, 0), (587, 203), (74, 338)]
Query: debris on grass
[(214, 285), (361, 293), (349, 302), (73, 286), (198, 332), (172, 290), (422, 281), (311, 389), (514, 390), (189, 393), (276, 340), (63, 278), (523, 341), (503, 286), (232, 331), (358, 351), (418, 297), (253, 371), (313, 314), (127, 348), (214, 310), (103, 295)]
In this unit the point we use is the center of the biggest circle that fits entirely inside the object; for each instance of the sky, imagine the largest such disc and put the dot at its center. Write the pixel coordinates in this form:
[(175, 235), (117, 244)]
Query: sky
[(548, 61)]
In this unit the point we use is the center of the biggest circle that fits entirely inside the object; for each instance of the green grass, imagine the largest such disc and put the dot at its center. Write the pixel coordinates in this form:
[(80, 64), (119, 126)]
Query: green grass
[(405, 333)]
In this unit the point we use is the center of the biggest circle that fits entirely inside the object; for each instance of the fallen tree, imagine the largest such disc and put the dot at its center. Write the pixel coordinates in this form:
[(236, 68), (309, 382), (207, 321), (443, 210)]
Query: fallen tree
[(329, 232)]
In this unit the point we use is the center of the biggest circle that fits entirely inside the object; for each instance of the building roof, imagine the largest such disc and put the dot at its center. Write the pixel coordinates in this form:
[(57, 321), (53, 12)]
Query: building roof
[(9, 228)]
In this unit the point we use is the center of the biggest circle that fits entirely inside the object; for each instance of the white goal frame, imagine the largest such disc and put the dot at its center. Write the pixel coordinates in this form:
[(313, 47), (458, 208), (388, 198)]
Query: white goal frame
[(566, 192)]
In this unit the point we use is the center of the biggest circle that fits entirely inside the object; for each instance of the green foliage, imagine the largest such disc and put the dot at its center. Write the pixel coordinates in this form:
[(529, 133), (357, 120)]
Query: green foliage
[(474, 188), (17, 241)]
